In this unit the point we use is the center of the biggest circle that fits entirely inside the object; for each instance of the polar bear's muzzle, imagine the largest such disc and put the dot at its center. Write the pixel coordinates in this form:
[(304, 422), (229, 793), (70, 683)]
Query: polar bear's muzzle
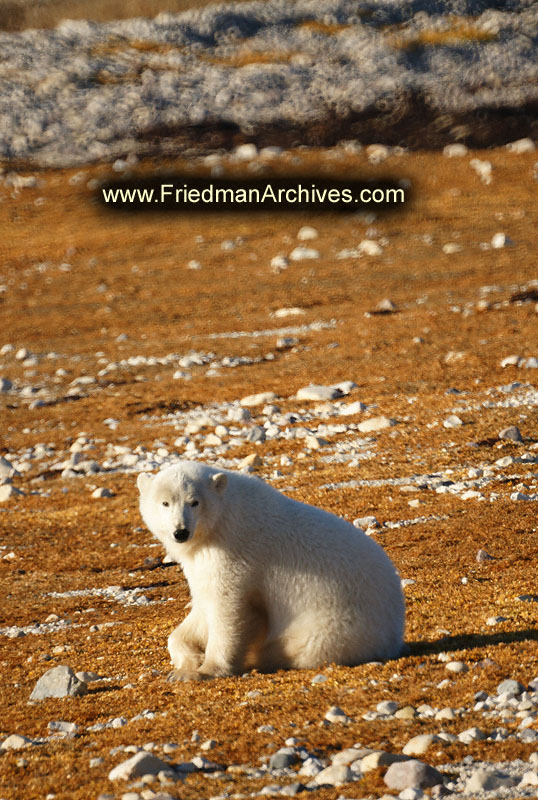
[(181, 534)]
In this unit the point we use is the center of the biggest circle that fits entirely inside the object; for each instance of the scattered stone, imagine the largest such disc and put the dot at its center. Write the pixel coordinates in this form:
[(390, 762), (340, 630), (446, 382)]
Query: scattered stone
[(471, 735), (369, 247), (253, 461), (512, 433), (335, 775), (500, 240), (482, 556), (457, 666), (59, 681), (349, 755), (283, 758), (335, 714), (418, 745), (5, 385), (380, 758), (279, 263), (491, 621), (451, 247), (141, 763), (387, 707), (258, 399), (315, 392), (66, 728), (510, 686), (407, 712), (303, 254), (102, 491), (7, 491), (453, 421), (484, 780), (521, 146), (375, 424), (366, 522), (307, 233), (455, 150), (412, 774), (16, 742)]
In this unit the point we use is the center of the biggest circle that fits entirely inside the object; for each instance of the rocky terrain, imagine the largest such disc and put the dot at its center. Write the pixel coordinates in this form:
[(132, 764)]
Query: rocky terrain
[(380, 365), (419, 74)]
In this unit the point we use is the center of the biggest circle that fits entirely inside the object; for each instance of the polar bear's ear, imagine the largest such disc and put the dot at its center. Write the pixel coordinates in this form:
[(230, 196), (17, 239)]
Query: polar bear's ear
[(219, 481), (144, 478)]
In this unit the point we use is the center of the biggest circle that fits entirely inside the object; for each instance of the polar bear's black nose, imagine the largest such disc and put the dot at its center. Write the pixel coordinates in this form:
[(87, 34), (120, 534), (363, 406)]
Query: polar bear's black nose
[(181, 535)]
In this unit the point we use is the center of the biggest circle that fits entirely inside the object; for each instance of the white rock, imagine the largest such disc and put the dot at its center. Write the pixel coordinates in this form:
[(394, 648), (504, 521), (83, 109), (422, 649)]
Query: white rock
[(335, 714), (500, 240), (446, 713), (451, 247), (455, 150), (314, 392), (375, 424), (521, 146), (486, 781), (380, 758), (453, 421), (102, 491), (307, 233), (511, 361), (529, 778), (377, 153), (387, 707), (471, 735), (245, 152), (335, 775), (87, 677), (369, 247), (418, 745), (15, 742), (294, 311), (303, 254), (457, 666), (279, 263), (347, 756), (366, 522), (7, 491), (258, 399), (386, 305), (348, 409), (482, 169), (140, 764)]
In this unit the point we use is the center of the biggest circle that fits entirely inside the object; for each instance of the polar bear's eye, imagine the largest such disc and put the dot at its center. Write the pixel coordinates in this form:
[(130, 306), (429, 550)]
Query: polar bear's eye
[(194, 503), (166, 503)]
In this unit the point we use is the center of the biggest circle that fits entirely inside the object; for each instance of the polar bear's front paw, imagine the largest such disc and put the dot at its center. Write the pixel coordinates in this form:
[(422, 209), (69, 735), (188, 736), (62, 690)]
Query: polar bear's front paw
[(182, 675)]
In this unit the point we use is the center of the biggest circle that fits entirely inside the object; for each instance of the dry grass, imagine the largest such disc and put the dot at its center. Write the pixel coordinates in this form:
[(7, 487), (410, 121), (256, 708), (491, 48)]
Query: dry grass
[(326, 28), (457, 31)]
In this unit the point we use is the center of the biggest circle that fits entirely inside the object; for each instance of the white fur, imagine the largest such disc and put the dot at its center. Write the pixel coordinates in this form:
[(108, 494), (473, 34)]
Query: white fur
[(274, 583)]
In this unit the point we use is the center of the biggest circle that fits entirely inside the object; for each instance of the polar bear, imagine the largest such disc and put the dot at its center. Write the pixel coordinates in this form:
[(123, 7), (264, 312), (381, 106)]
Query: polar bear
[(275, 583)]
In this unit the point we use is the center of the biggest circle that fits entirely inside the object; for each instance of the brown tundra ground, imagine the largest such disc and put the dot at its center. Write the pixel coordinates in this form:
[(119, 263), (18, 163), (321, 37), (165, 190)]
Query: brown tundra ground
[(77, 276)]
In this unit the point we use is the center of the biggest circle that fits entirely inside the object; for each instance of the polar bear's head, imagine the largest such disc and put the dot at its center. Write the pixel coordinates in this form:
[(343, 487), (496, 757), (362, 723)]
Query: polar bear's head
[(180, 504)]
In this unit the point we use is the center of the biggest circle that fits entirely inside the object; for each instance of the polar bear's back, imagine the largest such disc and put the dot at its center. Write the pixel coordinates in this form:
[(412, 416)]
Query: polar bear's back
[(318, 572)]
